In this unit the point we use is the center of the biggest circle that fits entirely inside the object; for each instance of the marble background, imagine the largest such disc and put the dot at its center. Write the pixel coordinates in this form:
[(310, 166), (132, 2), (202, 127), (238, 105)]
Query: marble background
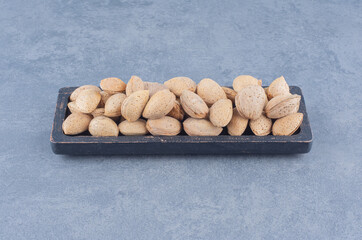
[(46, 45)]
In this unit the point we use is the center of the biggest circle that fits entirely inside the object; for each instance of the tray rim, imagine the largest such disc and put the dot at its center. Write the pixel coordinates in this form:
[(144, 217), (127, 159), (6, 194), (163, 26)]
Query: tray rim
[(57, 136)]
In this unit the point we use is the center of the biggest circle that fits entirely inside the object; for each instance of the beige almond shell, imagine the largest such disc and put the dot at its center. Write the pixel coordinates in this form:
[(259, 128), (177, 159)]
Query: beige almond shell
[(200, 127), (288, 125), (76, 92), (76, 123), (88, 100), (178, 84), (113, 85), (103, 127), (134, 84), (278, 87), (282, 105), (165, 126), (243, 81), (238, 124), (73, 107), (133, 105), (137, 128), (221, 112), (100, 112), (250, 101), (177, 111), (105, 96), (159, 105), (210, 91), (154, 87), (193, 104), (261, 126), (114, 105), (230, 93)]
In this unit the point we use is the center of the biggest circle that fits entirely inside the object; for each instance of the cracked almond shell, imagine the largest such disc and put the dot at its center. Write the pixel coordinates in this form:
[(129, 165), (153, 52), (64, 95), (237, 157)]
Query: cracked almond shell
[(282, 105)]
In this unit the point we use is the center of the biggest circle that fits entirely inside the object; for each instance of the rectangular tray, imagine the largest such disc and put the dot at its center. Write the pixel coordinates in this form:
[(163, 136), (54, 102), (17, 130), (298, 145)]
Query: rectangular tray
[(300, 142)]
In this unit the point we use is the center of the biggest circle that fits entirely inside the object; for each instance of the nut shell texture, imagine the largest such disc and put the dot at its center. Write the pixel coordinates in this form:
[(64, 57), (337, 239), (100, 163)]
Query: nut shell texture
[(178, 84), (221, 112), (137, 128), (76, 123), (132, 106), (193, 104), (134, 84), (113, 105), (210, 91), (103, 127), (243, 81), (288, 125), (250, 101), (159, 105), (238, 124), (88, 100), (200, 127), (165, 126), (282, 105), (112, 85)]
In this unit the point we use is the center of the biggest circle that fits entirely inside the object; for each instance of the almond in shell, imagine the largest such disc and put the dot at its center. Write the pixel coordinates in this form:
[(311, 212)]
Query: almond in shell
[(76, 92), (261, 126), (221, 112), (250, 101), (133, 105), (103, 127), (165, 126), (177, 111), (137, 128), (288, 125), (230, 93), (114, 105), (238, 124), (105, 96), (76, 123), (282, 105), (278, 87), (73, 107), (113, 85), (159, 105), (134, 84), (244, 80), (154, 87), (193, 104), (210, 91), (200, 127), (178, 84), (88, 100)]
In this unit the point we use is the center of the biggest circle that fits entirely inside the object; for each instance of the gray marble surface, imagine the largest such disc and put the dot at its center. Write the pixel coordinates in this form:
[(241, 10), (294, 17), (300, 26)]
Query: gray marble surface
[(46, 45)]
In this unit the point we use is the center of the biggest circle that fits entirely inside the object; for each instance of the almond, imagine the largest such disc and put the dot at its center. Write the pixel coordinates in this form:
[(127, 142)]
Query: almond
[(133, 105), (288, 125), (210, 91), (73, 107), (165, 126), (221, 112), (238, 124), (103, 127), (261, 126), (200, 127), (137, 128), (230, 93), (114, 105), (178, 84), (105, 96), (76, 92), (154, 87), (177, 111), (250, 101), (76, 123), (88, 100), (98, 112), (159, 105), (282, 105), (134, 84), (113, 85), (243, 81), (278, 87), (193, 104)]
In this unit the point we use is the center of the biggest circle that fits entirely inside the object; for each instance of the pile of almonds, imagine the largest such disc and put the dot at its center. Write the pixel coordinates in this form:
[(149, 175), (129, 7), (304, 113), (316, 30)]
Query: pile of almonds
[(202, 109)]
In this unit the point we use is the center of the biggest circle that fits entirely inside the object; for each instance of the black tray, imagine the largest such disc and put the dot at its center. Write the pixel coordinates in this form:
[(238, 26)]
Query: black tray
[(300, 142)]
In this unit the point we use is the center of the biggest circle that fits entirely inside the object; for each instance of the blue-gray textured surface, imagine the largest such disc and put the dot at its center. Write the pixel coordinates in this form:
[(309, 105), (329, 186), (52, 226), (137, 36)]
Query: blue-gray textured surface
[(46, 45)]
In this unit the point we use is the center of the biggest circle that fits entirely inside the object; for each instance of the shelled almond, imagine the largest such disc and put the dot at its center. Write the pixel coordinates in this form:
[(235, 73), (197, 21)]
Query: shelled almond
[(203, 109)]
